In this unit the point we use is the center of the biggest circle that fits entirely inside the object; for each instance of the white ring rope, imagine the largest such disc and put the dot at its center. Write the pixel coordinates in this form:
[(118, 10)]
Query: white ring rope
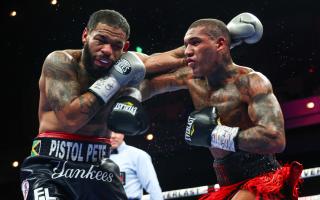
[(195, 191)]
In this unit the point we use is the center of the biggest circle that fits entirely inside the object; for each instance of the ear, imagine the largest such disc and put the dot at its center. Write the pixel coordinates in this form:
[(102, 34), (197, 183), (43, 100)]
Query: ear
[(221, 43), (126, 46), (85, 33)]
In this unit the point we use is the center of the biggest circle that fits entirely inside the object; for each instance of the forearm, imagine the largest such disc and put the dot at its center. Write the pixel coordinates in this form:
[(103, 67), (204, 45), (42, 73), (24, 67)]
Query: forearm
[(164, 62), (156, 86), (147, 89), (79, 111), (165, 83), (204, 129), (262, 140)]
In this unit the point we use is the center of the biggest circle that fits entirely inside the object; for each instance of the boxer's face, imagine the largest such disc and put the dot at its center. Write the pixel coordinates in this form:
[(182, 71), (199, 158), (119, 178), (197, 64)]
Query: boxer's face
[(116, 140), (102, 47), (201, 51)]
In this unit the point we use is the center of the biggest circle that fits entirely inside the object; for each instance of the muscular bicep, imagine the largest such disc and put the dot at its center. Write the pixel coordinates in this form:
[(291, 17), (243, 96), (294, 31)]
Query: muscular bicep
[(267, 135), (264, 110), (165, 83), (61, 85)]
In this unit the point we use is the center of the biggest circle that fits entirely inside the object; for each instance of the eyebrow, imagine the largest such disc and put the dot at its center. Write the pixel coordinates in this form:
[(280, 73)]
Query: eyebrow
[(112, 33), (114, 41), (192, 38)]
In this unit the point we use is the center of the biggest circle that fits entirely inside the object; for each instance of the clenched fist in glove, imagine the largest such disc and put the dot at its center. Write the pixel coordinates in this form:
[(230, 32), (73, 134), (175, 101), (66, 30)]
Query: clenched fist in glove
[(127, 115), (204, 129), (245, 27), (129, 70)]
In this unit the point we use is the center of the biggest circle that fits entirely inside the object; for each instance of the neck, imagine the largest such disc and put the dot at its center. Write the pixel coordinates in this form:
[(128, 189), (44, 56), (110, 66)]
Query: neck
[(219, 76)]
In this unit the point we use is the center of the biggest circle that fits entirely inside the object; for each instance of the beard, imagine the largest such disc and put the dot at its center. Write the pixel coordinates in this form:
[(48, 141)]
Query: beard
[(90, 67)]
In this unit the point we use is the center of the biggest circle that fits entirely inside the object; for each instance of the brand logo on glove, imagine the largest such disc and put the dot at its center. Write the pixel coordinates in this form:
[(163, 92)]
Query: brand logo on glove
[(123, 66), (126, 106), (190, 128)]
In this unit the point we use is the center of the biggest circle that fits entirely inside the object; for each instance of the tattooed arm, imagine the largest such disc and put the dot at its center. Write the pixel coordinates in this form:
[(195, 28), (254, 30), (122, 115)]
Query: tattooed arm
[(62, 106), (163, 62), (267, 136), (165, 83)]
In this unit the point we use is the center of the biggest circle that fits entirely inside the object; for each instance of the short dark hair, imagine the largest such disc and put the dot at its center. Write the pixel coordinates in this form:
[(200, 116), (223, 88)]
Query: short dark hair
[(111, 18), (214, 27)]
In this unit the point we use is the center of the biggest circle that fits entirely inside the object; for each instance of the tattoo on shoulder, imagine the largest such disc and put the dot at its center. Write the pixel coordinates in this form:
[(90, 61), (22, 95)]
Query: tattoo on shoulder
[(59, 66), (61, 80), (259, 84)]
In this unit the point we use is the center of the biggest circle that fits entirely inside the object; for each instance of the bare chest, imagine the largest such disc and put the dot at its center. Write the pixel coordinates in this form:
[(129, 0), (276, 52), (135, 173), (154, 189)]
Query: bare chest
[(228, 100)]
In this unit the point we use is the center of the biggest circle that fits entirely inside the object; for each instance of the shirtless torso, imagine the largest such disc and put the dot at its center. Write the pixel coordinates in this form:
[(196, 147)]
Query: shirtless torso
[(64, 79), (62, 70), (243, 98)]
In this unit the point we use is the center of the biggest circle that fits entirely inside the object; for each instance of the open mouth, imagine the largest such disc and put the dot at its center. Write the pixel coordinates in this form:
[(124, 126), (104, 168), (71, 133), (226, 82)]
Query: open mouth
[(190, 62), (103, 62)]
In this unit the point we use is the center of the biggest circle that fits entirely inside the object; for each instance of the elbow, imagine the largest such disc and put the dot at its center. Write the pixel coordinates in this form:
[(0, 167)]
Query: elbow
[(277, 142), (145, 88), (278, 147), (281, 145)]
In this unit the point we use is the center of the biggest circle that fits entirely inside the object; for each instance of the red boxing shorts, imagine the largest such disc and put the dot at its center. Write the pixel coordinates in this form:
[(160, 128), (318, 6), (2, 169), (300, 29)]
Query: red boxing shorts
[(279, 184)]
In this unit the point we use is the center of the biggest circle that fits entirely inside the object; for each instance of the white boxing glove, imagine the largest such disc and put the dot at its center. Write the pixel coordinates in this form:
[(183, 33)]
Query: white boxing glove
[(245, 27), (129, 70)]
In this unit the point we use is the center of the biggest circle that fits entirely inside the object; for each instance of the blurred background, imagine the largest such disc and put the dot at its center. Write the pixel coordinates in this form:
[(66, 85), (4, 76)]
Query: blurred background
[(288, 54)]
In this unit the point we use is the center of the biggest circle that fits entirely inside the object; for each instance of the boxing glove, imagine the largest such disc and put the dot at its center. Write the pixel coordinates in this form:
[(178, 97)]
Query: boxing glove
[(128, 70), (127, 115), (245, 27), (204, 129)]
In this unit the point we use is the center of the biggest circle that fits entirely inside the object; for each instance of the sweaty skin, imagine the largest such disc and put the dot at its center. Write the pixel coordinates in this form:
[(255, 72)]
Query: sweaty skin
[(243, 97), (65, 104)]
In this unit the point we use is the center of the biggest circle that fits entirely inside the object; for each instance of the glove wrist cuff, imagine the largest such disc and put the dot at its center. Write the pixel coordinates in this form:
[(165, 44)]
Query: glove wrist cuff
[(104, 88), (224, 137)]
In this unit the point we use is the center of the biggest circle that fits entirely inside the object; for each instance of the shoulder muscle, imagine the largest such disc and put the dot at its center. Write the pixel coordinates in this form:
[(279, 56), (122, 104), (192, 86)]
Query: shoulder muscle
[(59, 65)]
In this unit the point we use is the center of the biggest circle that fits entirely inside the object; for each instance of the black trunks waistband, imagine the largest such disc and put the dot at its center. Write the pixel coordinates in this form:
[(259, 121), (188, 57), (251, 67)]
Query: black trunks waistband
[(240, 166), (71, 147)]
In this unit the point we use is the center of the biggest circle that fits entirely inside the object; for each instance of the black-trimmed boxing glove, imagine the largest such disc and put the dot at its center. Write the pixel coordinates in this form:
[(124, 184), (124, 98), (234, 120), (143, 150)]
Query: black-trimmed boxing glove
[(127, 115), (204, 129), (128, 70)]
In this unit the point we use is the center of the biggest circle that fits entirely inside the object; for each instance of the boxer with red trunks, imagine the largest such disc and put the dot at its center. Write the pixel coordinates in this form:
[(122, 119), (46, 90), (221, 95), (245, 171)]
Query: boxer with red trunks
[(237, 114)]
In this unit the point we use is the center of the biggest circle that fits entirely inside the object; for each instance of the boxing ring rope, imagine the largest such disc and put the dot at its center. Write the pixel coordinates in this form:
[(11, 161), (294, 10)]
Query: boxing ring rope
[(195, 191)]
